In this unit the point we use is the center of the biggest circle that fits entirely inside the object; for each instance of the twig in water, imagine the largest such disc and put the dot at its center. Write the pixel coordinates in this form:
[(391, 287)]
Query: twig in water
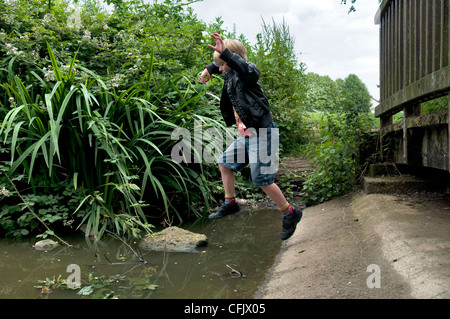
[(235, 272), (126, 244)]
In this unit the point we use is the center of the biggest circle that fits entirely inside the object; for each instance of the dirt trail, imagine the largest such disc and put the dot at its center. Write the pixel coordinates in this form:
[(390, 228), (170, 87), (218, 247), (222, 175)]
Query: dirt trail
[(295, 169), (328, 256)]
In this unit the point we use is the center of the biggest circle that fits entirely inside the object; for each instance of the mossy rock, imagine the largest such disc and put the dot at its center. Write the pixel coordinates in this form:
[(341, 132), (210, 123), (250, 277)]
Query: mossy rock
[(174, 239), (45, 244)]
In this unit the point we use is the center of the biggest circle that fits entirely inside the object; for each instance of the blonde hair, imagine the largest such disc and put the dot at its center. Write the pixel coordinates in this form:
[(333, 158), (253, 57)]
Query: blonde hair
[(235, 47)]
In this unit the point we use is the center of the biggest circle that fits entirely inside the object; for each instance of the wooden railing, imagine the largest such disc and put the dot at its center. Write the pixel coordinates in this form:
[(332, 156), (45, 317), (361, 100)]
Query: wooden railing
[(414, 68)]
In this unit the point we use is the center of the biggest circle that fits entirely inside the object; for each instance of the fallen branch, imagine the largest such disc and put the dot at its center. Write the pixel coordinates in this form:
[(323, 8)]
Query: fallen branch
[(34, 214)]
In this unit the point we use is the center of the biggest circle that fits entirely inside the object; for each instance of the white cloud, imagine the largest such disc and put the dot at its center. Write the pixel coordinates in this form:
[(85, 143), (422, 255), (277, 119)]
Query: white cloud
[(331, 41)]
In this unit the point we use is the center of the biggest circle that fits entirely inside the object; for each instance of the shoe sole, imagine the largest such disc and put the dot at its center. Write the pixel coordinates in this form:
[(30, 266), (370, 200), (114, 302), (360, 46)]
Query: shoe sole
[(214, 216)]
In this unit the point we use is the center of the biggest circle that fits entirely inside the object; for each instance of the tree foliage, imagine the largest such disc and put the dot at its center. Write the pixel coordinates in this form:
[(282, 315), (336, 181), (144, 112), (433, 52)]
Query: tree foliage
[(351, 3), (283, 80), (322, 93), (325, 95), (355, 92)]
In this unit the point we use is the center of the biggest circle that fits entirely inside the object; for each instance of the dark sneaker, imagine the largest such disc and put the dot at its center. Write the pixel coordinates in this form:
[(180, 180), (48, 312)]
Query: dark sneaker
[(290, 223), (225, 210)]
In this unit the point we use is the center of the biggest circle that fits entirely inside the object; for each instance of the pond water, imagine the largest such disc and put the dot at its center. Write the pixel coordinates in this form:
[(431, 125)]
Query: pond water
[(247, 242)]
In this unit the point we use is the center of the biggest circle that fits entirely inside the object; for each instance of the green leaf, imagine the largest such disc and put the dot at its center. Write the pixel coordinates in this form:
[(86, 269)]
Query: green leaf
[(86, 291)]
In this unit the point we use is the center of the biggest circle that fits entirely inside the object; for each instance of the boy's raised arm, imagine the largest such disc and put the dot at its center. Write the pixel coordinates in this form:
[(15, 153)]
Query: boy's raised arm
[(247, 72), (220, 46)]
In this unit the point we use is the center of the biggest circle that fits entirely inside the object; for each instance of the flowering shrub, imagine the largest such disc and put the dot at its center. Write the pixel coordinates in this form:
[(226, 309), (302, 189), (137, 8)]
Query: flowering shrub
[(88, 99)]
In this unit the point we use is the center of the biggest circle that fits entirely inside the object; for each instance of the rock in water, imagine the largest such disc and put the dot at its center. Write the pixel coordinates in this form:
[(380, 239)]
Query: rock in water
[(45, 244), (174, 239)]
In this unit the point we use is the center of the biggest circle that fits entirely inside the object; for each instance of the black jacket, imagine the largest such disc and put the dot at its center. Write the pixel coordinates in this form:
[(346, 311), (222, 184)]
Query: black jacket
[(242, 90)]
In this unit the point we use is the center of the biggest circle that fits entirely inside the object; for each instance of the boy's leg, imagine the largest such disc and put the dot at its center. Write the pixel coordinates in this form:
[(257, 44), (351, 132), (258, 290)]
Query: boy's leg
[(229, 162), (275, 194), (230, 206), (228, 180), (291, 216)]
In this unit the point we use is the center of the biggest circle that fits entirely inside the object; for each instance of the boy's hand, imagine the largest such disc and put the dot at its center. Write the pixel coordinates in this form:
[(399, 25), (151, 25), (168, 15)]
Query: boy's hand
[(205, 77), (220, 46)]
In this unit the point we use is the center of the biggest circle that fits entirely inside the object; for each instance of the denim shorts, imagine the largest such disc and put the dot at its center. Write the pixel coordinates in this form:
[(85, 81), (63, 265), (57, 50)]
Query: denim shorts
[(260, 150)]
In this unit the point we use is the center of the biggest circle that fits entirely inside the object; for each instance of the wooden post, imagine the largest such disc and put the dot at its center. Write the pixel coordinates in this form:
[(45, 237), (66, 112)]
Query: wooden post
[(384, 123), (405, 136), (409, 111)]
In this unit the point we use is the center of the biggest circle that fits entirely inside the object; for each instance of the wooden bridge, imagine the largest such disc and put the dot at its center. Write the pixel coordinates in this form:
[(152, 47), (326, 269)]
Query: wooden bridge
[(414, 68)]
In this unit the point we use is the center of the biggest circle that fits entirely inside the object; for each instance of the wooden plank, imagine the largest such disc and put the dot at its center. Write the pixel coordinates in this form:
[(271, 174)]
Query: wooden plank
[(400, 36), (427, 33), (386, 54), (442, 35), (433, 85), (381, 10), (395, 65), (405, 136), (446, 37), (416, 38), (407, 34), (421, 41), (410, 44), (382, 57), (435, 38), (417, 121)]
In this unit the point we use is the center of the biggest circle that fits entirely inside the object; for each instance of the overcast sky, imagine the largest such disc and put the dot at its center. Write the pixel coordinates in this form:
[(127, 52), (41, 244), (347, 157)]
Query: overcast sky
[(328, 39)]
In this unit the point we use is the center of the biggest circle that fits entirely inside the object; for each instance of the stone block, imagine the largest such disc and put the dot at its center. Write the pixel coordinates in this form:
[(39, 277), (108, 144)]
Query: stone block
[(174, 239), (401, 184)]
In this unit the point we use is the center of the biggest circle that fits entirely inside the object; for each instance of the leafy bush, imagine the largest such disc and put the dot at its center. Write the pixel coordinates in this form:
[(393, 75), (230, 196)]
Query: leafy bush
[(116, 147), (435, 105), (88, 100), (336, 157)]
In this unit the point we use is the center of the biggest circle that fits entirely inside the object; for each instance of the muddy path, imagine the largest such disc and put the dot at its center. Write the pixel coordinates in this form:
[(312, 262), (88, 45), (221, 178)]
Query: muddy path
[(336, 245)]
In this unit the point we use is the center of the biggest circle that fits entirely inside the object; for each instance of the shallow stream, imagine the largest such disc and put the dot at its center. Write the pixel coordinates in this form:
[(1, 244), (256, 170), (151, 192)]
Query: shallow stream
[(247, 242)]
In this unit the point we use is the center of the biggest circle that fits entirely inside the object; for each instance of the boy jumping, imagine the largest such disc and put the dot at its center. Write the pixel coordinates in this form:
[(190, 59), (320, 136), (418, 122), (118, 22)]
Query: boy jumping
[(244, 103)]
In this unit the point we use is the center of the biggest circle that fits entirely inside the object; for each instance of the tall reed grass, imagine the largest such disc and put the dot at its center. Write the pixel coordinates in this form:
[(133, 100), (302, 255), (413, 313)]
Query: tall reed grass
[(114, 146)]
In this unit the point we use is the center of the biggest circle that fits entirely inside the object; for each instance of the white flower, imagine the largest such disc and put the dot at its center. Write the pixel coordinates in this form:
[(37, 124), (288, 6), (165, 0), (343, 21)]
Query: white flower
[(4, 191), (86, 35), (12, 101), (12, 50), (105, 27), (50, 74)]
